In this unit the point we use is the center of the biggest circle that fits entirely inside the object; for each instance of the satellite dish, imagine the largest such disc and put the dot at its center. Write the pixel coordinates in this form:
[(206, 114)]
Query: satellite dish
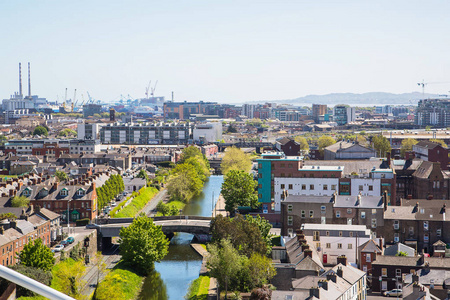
[(319, 249)]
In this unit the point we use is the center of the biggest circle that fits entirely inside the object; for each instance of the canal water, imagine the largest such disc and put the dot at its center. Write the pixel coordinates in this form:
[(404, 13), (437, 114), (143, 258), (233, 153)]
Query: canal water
[(181, 266)]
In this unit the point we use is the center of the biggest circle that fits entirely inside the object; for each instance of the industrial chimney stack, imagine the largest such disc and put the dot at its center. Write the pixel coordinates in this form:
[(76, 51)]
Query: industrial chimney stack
[(29, 81), (20, 79)]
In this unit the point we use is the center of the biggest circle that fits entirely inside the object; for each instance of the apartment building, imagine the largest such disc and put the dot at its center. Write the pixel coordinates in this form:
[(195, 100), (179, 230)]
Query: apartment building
[(433, 112)]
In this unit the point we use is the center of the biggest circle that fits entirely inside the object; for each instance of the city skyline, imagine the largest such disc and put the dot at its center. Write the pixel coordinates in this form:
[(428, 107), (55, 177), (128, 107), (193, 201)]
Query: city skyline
[(226, 52)]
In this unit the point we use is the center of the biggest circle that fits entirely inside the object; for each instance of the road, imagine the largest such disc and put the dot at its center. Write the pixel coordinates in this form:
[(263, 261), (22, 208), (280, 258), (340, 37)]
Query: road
[(150, 208)]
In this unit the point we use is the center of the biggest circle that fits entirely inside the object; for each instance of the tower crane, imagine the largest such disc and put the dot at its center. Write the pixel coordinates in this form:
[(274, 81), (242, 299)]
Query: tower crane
[(153, 89), (147, 89), (423, 84)]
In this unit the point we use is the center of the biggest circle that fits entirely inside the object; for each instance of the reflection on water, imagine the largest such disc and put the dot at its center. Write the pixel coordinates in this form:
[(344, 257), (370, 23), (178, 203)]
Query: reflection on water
[(181, 266)]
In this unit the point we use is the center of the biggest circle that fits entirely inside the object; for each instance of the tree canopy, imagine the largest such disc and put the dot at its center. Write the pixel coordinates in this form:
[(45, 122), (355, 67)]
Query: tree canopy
[(67, 132), (407, 145), (37, 255), (40, 130), (303, 143), (235, 159), (440, 142), (61, 175), (381, 145), (325, 141), (143, 243), (20, 201), (238, 189), (184, 183)]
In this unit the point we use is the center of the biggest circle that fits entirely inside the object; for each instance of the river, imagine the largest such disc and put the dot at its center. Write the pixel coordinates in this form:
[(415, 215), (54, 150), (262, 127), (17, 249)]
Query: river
[(175, 272)]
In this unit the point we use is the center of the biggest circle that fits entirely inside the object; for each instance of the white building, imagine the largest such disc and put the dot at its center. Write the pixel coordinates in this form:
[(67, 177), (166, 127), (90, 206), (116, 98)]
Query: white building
[(209, 132), (333, 240), (89, 131)]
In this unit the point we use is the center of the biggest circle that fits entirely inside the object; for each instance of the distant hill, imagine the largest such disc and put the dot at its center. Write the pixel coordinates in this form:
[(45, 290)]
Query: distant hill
[(366, 99)]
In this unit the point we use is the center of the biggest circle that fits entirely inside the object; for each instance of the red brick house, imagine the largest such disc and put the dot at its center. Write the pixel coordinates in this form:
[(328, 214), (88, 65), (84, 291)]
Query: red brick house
[(434, 152), (367, 253)]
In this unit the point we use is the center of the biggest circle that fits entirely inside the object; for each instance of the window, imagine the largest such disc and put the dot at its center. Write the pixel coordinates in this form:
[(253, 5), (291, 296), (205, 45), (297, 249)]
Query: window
[(368, 257), (360, 188), (260, 185), (398, 273), (289, 208), (363, 215), (349, 246), (439, 232), (349, 210), (327, 233), (311, 214), (64, 192), (325, 187), (290, 231), (426, 238), (316, 236), (425, 225), (333, 187), (396, 224), (27, 192), (290, 220), (303, 214), (81, 192), (282, 186), (259, 196), (290, 186), (374, 211), (396, 237), (374, 223), (350, 233), (323, 208), (365, 268), (411, 230), (339, 246), (340, 233), (384, 272), (259, 166), (260, 175), (311, 187), (370, 187), (328, 245), (303, 187), (338, 214)]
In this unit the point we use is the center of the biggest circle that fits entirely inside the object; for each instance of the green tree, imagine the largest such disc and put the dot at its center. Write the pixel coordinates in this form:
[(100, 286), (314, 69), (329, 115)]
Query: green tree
[(189, 152), (20, 201), (401, 253), (381, 145), (40, 130), (143, 243), (37, 255), (199, 166), (325, 141), (303, 143), (61, 175), (4, 216), (235, 159), (256, 272), (167, 209), (243, 234), (67, 132), (184, 183), (231, 128), (440, 142), (264, 228), (39, 275), (143, 174), (407, 145), (239, 189), (224, 263)]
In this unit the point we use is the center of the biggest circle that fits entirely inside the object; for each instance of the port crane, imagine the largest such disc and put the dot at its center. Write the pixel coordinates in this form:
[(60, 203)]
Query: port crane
[(153, 89)]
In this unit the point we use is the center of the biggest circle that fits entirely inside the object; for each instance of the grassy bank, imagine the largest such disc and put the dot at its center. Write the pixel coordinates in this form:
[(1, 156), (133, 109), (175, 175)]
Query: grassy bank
[(198, 290), (138, 203), (120, 283)]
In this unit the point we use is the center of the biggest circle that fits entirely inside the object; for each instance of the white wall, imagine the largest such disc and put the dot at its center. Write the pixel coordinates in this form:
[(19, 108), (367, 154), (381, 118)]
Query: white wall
[(211, 132), (366, 182), (297, 187)]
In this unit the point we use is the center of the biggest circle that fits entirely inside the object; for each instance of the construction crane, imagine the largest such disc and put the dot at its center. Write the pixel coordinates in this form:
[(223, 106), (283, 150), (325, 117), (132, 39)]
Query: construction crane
[(90, 98), (153, 89), (423, 84), (147, 89), (74, 102)]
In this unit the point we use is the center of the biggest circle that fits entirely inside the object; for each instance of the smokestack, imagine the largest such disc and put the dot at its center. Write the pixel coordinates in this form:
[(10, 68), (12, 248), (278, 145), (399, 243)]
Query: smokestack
[(29, 81), (20, 79)]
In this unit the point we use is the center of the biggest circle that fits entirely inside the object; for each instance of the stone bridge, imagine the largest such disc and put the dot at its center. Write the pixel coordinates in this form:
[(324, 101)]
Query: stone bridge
[(198, 226)]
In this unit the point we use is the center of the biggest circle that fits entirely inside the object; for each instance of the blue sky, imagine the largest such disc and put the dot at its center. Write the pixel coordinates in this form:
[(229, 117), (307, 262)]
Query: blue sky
[(226, 51)]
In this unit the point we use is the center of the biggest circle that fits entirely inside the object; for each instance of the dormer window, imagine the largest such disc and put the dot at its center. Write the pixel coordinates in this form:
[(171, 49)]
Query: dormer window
[(64, 192), (26, 192), (44, 192), (81, 192)]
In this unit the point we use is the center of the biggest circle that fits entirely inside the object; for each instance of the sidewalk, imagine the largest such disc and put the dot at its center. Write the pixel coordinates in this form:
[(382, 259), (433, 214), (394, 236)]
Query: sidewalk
[(150, 208), (220, 207)]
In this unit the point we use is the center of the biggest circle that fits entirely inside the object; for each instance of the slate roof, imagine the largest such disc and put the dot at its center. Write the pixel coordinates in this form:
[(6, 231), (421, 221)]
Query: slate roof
[(38, 192), (362, 202), (425, 169), (370, 246), (308, 199), (427, 144), (24, 227), (350, 166), (434, 262), (399, 247), (50, 215), (426, 211)]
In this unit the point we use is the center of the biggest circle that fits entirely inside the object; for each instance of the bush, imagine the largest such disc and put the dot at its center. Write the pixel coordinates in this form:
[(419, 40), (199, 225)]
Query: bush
[(165, 164), (119, 284), (198, 290), (130, 211), (82, 222), (44, 277)]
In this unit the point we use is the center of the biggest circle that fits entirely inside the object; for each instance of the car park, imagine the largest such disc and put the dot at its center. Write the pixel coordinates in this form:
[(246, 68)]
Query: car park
[(393, 293)]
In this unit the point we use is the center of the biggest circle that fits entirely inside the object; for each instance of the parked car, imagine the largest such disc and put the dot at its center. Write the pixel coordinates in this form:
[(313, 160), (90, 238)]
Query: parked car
[(70, 240), (113, 203), (58, 248), (64, 243), (393, 293), (91, 226)]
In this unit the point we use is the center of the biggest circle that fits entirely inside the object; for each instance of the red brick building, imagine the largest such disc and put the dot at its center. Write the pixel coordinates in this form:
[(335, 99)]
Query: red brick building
[(368, 253), (434, 152)]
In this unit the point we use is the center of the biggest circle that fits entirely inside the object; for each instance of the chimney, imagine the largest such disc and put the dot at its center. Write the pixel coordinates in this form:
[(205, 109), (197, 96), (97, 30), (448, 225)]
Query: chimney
[(19, 186), (38, 180), (421, 260), (427, 267), (331, 276), (323, 284), (314, 292), (20, 79), (1, 230), (93, 186), (31, 208), (55, 185), (29, 81), (415, 278), (380, 243), (339, 272), (11, 192), (308, 252), (305, 247), (342, 260), (12, 224), (302, 241), (385, 200)]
